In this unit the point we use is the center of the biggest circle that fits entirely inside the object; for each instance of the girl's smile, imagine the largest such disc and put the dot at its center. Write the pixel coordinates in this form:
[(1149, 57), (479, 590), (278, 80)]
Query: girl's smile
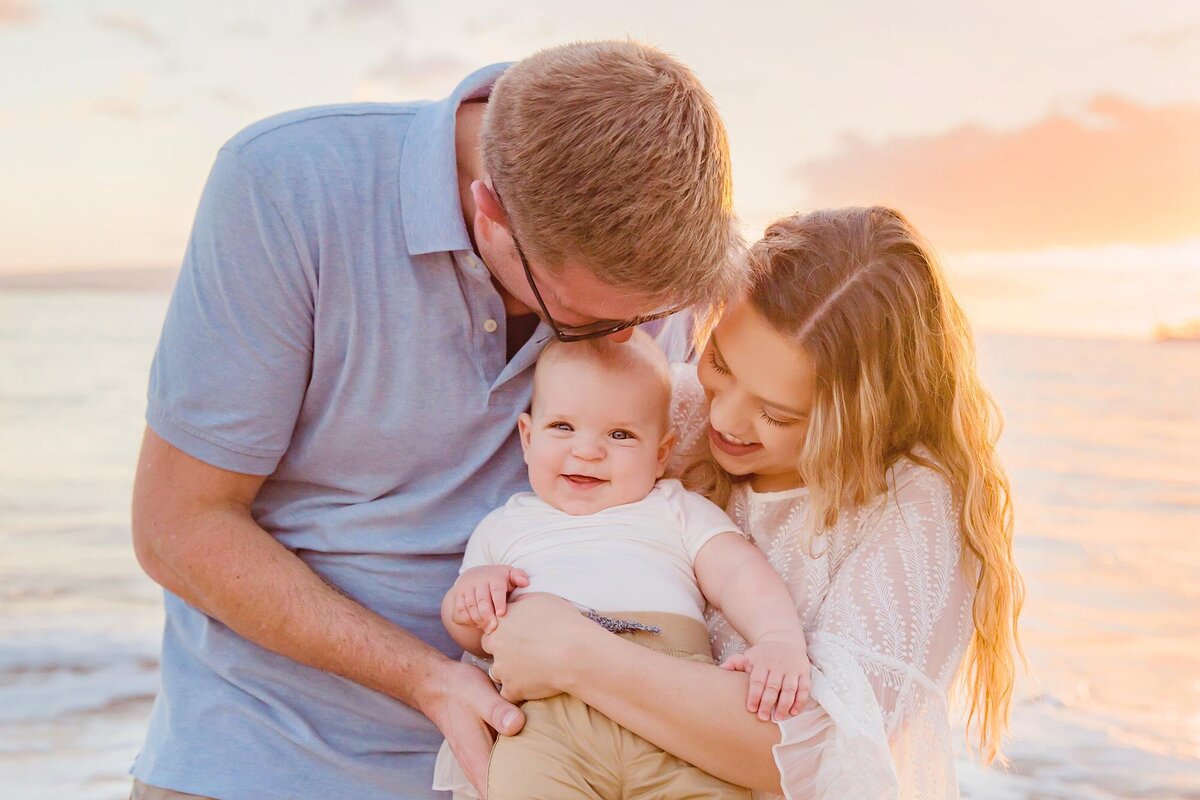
[(731, 445)]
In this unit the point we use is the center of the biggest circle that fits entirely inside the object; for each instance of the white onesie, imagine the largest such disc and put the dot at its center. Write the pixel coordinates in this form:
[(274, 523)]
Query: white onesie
[(633, 557)]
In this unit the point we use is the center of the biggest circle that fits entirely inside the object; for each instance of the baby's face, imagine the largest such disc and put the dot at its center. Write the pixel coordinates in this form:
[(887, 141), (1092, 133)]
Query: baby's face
[(594, 440)]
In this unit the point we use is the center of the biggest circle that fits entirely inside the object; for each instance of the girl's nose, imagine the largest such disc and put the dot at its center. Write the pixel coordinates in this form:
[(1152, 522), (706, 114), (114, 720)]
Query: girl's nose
[(725, 414)]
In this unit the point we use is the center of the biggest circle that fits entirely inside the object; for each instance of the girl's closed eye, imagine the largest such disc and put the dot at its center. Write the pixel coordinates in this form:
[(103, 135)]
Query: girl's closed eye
[(717, 365), (778, 423), (559, 425)]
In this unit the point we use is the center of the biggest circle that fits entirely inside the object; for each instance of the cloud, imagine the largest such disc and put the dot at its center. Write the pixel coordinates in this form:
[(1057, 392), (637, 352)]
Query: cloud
[(247, 28), (505, 27), (126, 102), (403, 75), (133, 27), (1170, 39), (230, 99), (118, 107), (350, 10), (1118, 172), (17, 12)]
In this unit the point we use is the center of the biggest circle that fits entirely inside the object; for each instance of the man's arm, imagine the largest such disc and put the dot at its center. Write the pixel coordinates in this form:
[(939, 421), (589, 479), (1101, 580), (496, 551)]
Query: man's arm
[(194, 534)]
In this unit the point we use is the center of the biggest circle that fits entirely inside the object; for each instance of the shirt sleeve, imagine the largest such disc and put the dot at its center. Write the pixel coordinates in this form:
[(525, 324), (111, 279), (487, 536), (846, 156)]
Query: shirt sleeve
[(700, 518), (235, 353), (481, 546), (889, 639)]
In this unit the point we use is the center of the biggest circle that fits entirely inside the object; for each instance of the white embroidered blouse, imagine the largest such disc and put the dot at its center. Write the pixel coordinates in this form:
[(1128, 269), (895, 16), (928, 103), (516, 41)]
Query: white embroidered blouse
[(885, 599)]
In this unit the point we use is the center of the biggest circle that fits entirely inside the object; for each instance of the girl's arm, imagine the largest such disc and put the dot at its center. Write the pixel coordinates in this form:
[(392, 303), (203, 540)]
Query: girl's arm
[(695, 711)]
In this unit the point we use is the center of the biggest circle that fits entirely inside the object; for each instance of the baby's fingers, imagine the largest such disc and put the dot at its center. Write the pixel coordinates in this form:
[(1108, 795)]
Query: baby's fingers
[(787, 698), (736, 663), (770, 695), (803, 689), (499, 598), (756, 695), (461, 615), (519, 578), (483, 613)]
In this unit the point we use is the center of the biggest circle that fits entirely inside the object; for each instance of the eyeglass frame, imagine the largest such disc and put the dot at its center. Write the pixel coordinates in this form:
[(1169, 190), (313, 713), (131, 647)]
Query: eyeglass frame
[(575, 333)]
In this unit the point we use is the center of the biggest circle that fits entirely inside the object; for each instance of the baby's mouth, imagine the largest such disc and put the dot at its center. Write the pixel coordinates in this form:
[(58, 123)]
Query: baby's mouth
[(584, 481)]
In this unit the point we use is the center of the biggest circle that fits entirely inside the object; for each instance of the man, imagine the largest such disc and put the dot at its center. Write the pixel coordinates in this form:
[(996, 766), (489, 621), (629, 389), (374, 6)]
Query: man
[(333, 402)]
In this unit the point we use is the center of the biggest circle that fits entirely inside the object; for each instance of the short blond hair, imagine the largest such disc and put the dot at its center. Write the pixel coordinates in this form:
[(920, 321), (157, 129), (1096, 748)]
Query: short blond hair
[(612, 155), (638, 361)]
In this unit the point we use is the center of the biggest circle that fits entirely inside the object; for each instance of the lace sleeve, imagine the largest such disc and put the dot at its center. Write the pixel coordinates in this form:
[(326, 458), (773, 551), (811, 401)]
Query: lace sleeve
[(888, 640), (689, 417)]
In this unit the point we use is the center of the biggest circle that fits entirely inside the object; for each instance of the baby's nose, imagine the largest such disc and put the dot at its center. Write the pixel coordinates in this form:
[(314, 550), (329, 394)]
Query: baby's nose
[(588, 450)]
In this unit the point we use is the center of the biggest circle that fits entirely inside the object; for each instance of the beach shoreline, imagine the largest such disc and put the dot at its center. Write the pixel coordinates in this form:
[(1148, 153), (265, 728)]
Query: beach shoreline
[(139, 279)]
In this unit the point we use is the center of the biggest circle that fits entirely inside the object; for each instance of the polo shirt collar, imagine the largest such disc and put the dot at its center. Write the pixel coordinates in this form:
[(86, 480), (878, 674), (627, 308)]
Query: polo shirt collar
[(429, 199)]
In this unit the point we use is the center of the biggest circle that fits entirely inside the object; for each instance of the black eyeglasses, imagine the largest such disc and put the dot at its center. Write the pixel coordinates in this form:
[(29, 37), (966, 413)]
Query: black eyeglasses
[(577, 333)]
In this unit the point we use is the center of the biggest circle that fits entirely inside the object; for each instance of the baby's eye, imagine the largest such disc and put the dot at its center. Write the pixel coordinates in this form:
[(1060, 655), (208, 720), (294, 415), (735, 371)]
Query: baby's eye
[(621, 436), (560, 426)]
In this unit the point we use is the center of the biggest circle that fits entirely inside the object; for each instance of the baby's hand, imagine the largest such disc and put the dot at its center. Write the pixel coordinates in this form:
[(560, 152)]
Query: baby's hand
[(481, 594), (779, 672)]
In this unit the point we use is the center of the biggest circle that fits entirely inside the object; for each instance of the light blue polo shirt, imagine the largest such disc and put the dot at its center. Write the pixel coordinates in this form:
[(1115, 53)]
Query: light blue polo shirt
[(332, 329)]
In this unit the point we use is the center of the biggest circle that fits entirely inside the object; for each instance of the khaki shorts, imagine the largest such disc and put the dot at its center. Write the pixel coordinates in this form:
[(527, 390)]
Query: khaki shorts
[(569, 751)]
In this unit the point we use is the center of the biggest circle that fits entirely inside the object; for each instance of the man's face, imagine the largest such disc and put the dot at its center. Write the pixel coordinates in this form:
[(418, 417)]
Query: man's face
[(573, 294)]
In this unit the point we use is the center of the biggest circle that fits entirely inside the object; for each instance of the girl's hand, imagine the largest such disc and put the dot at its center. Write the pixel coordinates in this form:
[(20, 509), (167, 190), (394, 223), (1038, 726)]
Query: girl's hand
[(481, 594), (779, 676), (536, 646)]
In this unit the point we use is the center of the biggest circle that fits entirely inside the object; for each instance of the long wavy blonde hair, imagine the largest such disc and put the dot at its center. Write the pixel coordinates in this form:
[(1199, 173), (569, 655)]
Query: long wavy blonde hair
[(862, 292)]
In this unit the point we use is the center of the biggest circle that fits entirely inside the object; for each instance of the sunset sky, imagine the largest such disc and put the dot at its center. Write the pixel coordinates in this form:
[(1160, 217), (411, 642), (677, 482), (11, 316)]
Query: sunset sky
[(1050, 150)]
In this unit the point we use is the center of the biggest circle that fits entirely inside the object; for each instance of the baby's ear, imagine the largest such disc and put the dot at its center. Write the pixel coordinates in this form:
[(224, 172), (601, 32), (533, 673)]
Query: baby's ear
[(664, 451), (525, 429)]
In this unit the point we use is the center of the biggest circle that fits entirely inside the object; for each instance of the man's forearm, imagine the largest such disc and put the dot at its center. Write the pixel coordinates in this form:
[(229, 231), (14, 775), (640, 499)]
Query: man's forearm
[(224, 564)]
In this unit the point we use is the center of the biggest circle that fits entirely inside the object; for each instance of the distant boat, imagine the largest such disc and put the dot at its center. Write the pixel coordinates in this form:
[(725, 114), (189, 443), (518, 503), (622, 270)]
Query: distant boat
[(1188, 332)]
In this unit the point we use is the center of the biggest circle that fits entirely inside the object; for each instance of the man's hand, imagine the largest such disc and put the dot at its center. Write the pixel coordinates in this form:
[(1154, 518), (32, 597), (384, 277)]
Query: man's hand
[(779, 676), (464, 705), (481, 594)]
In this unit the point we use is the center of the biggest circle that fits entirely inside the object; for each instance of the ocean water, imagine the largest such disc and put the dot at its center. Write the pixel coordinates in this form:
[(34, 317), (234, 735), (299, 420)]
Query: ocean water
[(1103, 442)]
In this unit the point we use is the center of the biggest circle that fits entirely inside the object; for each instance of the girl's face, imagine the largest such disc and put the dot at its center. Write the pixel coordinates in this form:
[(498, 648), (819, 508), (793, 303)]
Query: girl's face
[(760, 389)]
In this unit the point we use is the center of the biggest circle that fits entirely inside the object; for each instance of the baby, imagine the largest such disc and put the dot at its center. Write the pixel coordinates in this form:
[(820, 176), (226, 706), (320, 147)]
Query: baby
[(603, 530)]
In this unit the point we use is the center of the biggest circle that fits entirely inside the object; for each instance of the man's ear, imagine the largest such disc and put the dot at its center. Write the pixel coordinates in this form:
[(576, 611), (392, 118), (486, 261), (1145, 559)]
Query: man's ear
[(486, 202), (664, 452), (525, 429)]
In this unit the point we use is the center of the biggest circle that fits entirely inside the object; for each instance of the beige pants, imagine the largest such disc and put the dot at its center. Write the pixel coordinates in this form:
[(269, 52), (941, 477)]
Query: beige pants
[(569, 751), (144, 791)]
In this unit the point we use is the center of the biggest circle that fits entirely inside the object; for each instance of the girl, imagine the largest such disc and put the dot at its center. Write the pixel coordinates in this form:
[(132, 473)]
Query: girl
[(846, 430)]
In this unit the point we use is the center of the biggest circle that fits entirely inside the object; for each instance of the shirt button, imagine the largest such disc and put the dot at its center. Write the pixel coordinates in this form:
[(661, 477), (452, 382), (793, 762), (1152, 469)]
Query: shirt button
[(473, 262), (490, 326)]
